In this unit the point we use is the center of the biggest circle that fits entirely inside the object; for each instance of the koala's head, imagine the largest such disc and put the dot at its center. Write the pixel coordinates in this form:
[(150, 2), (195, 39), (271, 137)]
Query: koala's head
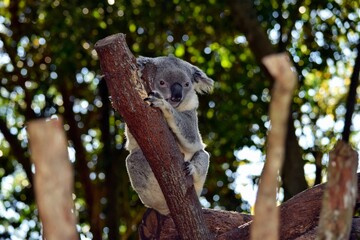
[(178, 81)]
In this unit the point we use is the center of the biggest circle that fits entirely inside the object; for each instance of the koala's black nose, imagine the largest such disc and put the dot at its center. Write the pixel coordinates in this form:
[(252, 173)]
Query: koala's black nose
[(176, 92)]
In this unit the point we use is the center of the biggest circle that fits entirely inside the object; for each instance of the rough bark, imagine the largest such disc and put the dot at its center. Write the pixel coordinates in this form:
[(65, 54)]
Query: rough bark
[(285, 78), (152, 134), (340, 194), (53, 178), (219, 222)]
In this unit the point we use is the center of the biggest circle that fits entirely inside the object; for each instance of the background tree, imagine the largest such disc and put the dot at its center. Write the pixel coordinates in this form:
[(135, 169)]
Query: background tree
[(48, 66)]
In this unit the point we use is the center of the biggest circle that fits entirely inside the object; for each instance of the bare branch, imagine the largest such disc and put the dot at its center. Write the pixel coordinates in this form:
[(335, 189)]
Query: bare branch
[(285, 78), (53, 178)]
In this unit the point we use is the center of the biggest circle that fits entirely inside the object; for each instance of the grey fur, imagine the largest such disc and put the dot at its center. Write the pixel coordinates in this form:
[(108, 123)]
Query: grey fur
[(174, 89)]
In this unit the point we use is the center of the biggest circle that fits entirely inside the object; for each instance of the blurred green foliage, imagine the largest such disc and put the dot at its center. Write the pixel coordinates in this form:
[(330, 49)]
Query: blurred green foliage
[(49, 66)]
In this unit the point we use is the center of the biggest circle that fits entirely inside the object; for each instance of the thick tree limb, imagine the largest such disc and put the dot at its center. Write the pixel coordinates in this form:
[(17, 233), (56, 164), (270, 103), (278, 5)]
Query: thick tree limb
[(280, 68), (53, 178), (152, 134), (340, 194), (299, 218), (219, 222)]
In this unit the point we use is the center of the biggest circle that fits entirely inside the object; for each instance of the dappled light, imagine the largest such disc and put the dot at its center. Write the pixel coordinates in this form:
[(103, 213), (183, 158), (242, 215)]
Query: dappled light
[(48, 66)]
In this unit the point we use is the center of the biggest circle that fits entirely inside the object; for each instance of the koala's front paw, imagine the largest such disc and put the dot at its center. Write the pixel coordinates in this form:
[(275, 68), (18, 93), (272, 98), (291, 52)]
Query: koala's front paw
[(188, 168), (155, 99)]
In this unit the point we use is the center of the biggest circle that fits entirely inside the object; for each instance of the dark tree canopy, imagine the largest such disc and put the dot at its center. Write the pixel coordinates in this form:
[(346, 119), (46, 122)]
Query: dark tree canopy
[(48, 66)]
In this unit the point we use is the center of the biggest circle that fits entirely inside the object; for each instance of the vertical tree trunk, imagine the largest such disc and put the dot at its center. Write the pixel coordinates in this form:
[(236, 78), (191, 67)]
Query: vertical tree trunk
[(292, 173), (112, 165), (91, 193), (152, 134)]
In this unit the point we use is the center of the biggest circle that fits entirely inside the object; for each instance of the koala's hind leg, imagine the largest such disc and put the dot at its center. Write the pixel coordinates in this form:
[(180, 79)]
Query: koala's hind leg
[(198, 168), (144, 182)]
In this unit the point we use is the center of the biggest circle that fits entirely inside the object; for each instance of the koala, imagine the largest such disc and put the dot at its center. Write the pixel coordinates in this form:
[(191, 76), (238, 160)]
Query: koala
[(173, 91)]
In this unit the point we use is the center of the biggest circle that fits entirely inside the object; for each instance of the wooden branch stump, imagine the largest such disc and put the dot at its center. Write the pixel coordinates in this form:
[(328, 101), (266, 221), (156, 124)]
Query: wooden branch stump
[(150, 130), (280, 68), (340, 194), (53, 178)]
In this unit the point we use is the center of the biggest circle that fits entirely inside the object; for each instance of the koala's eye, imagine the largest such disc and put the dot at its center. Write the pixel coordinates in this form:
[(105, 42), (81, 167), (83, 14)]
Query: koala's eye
[(162, 82), (187, 84)]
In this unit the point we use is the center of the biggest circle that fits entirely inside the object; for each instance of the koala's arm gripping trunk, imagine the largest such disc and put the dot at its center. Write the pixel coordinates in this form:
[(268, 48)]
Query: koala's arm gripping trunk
[(152, 134)]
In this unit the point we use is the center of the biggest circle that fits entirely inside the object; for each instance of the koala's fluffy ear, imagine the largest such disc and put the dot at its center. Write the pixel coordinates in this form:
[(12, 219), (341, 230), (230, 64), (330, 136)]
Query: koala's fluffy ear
[(146, 65), (202, 83), (142, 61)]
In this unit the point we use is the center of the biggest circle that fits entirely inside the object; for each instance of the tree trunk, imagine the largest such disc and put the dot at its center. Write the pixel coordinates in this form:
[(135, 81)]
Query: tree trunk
[(292, 174), (152, 133)]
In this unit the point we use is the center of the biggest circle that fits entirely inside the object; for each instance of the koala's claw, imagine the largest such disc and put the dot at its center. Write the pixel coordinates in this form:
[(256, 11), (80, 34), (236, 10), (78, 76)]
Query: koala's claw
[(154, 98), (187, 168), (153, 94)]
